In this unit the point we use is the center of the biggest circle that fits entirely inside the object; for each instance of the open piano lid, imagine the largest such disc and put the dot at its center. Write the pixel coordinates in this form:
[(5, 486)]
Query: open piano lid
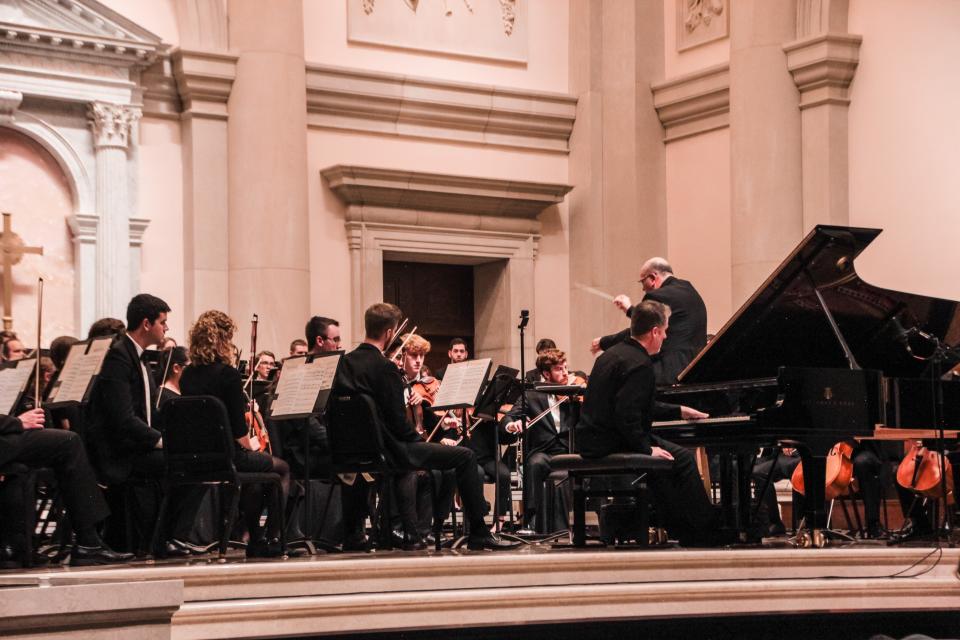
[(783, 323)]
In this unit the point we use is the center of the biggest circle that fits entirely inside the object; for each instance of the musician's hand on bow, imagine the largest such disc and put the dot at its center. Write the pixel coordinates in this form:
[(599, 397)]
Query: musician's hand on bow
[(689, 413), (449, 442), (513, 427), (657, 452), (246, 443), (415, 398), (450, 422), (622, 302), (32, 419), (789, 451), (595, 346)]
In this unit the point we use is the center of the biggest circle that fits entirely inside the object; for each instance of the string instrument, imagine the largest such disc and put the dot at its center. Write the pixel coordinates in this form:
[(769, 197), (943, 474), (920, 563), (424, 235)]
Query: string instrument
[(36, 373), (396, 355), (426, 387), (920, 472), (256, 429), (839, 472)]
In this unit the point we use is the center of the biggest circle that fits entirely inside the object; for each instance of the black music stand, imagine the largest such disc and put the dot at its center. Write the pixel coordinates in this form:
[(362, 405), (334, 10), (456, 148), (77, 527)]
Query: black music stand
[(503, 388)]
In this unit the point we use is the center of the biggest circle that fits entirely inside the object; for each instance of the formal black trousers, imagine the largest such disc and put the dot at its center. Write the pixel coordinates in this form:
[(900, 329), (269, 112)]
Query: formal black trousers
[(680, 495), (64, 453), (536, 493), (488, 470)]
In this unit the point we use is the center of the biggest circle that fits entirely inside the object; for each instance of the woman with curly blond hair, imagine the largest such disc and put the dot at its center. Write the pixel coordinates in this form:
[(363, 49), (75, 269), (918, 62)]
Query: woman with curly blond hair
[(211, 372)]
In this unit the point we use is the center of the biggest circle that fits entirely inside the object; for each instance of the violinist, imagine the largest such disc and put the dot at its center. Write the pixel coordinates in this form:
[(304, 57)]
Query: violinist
[(172, 363), (434, 489), (212, 372), (265, 362), (546, 439), (543, 344)]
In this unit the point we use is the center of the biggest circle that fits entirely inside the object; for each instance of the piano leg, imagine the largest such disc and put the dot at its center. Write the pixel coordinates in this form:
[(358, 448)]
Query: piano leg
[(815, 500), (744, 499)]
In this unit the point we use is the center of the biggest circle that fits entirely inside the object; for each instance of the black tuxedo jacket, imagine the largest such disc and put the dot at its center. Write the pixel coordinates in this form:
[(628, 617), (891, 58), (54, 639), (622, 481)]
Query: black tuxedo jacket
[(10, 429), (116, 426), (687, 333), (545, 436)]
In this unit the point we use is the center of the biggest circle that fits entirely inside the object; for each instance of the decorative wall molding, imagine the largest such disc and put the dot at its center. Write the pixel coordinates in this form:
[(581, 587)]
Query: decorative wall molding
[(693, 103), (204, 80), (9, 103), (339, 98), (111, 124), (701, 21), (415, 190), (823, 67), (817, 17), (161, 98)]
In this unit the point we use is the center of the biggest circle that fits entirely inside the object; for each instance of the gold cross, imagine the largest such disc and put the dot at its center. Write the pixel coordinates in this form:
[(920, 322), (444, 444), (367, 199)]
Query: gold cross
[(12, 248)]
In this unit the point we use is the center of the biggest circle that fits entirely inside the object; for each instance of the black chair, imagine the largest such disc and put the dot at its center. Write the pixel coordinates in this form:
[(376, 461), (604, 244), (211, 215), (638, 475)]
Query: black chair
[(198, 448), (630, 464), (354, 428), (30, 479)]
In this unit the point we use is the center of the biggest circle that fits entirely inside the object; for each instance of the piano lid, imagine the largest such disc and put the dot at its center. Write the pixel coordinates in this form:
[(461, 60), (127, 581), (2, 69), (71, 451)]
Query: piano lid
[(783, 323)]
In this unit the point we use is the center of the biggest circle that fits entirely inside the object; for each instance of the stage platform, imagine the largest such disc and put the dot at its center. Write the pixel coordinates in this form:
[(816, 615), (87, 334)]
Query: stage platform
[(466, 591)]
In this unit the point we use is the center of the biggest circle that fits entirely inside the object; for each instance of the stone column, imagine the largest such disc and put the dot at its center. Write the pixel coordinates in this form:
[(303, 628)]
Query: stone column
[(84, 230), (617, 159), (111, 124), (766, 200), (269, 268)]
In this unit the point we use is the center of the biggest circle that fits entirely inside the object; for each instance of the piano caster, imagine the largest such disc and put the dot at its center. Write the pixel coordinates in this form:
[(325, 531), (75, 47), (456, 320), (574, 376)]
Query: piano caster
[(807, 539)]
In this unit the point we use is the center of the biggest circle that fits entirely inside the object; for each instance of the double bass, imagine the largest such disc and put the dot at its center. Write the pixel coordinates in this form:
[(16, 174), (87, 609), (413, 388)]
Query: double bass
[(256, 428)]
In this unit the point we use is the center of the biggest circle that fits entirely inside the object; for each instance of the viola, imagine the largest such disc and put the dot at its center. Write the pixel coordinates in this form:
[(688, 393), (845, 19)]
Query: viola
[(839, 472), (920, 472)]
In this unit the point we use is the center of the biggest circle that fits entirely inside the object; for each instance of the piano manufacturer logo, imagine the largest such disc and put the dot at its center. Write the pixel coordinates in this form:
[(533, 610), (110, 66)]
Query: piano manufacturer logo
[(828, 393)]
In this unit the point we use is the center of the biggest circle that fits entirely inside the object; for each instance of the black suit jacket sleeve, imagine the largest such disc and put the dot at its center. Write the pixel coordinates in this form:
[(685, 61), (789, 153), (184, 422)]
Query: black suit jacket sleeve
[(115, 388), (608, 341), (236, 402), (630, 403), (10, 425), (390, 400)]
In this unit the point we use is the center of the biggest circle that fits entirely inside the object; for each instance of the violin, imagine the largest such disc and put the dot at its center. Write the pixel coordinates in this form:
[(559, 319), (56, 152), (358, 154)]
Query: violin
[(920, 472), (256, 429), (839, 472), (426, 387)]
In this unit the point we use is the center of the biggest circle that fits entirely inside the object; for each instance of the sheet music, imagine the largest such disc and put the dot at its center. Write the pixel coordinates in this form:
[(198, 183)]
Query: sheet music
[(301, 383), (82, 364), (12, 382), (461, 383)]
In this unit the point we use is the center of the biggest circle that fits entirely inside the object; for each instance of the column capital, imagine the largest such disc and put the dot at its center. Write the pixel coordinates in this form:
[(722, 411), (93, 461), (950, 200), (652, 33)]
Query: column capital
[(9, 103), (111, 123), (823, 67)]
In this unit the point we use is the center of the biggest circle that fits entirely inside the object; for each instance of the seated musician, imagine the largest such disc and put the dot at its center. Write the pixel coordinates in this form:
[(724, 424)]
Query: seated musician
[(543, 344), (769, 469), (547, 438), (299, 347), (24, 440), (172, 363), (265, 362), (212, 372), (457, 352), (365, 370), (430, 491), (616, 417)]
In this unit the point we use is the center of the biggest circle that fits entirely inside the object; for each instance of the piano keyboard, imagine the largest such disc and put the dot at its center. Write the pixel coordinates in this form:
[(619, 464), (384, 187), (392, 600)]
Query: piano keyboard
[(703, 421)]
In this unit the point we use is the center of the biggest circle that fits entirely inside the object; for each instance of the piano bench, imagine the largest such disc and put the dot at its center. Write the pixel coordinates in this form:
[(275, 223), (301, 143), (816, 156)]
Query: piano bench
[(630, 464)]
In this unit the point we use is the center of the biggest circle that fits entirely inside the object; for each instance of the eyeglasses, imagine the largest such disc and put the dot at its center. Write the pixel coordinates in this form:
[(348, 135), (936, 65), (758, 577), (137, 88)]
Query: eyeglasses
[(649, 275)]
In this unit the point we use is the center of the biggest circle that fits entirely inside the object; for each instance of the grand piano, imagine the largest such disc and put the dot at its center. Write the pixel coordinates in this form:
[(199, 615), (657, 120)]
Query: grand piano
[(815, 356)]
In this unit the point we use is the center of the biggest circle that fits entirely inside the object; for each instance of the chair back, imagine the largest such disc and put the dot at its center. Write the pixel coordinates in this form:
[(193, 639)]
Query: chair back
[(197, 440), (354, 428)]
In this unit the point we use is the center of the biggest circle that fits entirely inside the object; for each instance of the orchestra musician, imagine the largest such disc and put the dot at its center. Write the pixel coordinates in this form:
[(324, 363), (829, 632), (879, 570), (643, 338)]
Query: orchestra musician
[(616, 417), (457, 352), (545, 439), (265, 362), (533, 375), (688, 322), (212, 372), (366, 370), (173, 362), (298, 347)]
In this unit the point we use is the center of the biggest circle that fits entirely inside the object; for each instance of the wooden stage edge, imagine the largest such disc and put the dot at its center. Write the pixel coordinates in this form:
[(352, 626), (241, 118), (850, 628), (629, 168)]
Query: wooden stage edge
[(393, 591)]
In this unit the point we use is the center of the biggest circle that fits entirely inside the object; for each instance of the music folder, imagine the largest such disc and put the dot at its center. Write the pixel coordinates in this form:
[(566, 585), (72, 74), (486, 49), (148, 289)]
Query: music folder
[(13, 382), (75, 381), (304, 385), (461, 384), (504, 388)]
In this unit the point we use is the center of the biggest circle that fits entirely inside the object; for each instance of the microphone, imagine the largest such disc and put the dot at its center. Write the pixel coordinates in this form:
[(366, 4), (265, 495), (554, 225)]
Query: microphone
[(902, 335), (524, 318)]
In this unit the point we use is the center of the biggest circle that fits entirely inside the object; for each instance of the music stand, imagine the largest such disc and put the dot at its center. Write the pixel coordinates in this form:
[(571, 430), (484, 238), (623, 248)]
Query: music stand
[(74, 383), (503, 388)]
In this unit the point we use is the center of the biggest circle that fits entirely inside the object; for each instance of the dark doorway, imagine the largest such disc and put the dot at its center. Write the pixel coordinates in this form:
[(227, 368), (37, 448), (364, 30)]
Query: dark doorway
[(438, 299)]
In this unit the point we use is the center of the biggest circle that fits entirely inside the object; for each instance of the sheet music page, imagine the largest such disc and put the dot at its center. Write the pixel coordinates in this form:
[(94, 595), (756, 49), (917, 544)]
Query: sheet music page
[(461, 383), (301, 383), (83, 362), (12, 382)]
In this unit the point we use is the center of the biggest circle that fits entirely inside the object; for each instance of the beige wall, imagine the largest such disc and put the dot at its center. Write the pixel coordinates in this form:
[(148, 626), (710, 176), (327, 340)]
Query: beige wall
[(158, 16), (325, 25), (698, 218), (35, 191), (161, 201), (904, 140)]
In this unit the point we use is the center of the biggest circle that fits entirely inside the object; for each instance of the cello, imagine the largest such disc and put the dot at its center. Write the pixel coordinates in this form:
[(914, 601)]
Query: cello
[(921, 472), (839, 472), (256, 428)]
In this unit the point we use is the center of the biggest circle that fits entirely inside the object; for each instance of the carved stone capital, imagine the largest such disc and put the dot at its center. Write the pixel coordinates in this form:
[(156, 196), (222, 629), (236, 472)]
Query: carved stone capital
[(204, 80), (111, 123), (84, 227), (823, 67), (9, 102), (694, 103)]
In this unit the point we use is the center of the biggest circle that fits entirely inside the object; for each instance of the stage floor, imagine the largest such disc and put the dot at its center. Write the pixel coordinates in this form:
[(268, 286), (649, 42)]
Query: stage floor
[(396, 591)]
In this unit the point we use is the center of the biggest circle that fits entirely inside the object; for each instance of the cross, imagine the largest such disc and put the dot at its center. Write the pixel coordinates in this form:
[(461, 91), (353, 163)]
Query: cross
[(12, 248)]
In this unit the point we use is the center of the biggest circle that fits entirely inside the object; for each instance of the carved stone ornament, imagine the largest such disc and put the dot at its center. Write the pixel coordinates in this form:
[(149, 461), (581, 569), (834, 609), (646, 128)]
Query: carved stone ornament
[(701, 21), (368, 6), (508, 10), (9, 102), (111, 123)]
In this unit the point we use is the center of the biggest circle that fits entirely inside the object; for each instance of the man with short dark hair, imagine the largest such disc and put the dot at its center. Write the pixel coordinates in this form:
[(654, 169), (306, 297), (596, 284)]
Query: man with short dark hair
[(616, 418), (13, 349), (323, 334), (264, 363), (366, 371), (104, 327), (534, 375), (457, 352), (298, 347), (688, 320)]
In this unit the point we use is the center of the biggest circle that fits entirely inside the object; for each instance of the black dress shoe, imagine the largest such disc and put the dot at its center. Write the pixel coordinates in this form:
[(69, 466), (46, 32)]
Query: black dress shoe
[(413, 542), (173, 550), (9, 557), (490, 541), (101, 554), (265, 549), (192, 549), (356, 542)]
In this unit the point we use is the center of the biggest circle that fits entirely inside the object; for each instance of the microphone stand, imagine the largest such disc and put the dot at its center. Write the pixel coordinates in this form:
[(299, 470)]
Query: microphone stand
[(524, 319), (936, 386)]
